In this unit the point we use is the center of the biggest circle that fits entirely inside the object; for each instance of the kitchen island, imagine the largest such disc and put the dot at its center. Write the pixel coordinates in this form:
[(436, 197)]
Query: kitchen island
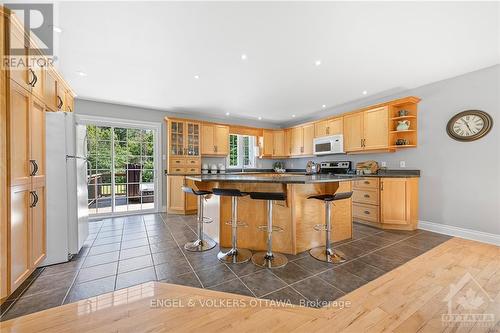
[(297, 215)]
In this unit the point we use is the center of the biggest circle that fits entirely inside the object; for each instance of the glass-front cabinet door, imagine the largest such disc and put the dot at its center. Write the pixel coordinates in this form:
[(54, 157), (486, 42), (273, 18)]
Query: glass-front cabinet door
[(177, 133), (193, 139)]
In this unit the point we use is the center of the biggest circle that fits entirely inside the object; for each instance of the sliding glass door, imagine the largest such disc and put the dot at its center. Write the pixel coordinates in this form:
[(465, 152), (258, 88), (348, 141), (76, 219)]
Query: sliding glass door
[(121, 174)]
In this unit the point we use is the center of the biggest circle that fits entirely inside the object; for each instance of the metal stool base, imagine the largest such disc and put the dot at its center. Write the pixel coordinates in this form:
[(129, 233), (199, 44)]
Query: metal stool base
[(263, 260), (200, 245), (234, 256), (333, 256)]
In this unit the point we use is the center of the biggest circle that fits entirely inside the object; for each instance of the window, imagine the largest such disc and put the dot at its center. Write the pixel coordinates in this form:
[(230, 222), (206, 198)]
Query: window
[(241, 151)]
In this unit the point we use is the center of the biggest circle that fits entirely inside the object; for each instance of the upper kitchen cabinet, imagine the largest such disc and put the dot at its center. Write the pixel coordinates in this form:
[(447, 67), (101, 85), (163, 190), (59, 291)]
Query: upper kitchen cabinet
[(353, 132), (326, 127), (18, 49), (274, 143), (366, 130), (301, 140), (50, 90), (184, 138), (215, 139), (36, 70)]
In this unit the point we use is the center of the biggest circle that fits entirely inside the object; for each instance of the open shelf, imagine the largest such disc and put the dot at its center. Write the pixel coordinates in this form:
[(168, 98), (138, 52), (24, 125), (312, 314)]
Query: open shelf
[(405, 131), (404, 117), (403, 146)]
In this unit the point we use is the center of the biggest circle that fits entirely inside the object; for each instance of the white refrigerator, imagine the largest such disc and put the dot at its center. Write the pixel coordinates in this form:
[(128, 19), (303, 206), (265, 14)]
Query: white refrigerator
[(66, 186)]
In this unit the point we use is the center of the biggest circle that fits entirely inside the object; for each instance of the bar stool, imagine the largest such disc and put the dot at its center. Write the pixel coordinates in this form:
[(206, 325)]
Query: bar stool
[(269, 259), (326, 253), (234, 255), (200, 244)]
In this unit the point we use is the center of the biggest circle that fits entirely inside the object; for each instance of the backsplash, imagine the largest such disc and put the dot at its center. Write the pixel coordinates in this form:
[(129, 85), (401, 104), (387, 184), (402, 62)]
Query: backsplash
[(261, 163)]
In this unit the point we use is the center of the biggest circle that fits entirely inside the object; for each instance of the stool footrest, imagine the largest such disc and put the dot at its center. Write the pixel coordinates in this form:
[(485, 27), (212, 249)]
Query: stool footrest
[(238, 224), (275, 228), (320, 227), (206, 219)]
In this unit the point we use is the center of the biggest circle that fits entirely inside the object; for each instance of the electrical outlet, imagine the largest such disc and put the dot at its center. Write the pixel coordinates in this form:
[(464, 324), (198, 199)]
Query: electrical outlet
[(384, 164), (291, 165), (402, 164)]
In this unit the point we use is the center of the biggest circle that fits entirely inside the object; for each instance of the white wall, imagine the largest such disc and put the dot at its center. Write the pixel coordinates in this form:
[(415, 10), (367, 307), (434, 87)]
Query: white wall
[(460, 182)]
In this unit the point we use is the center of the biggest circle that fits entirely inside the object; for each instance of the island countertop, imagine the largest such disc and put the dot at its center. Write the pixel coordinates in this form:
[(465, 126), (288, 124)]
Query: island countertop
[(271, 178)]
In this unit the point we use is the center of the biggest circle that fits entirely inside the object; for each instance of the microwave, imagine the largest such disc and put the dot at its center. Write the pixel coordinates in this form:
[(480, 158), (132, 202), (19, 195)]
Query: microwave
[(332, 144)]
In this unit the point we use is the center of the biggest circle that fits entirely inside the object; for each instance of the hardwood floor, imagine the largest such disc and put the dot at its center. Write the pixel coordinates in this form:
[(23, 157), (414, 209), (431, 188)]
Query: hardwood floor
[(410, 298)]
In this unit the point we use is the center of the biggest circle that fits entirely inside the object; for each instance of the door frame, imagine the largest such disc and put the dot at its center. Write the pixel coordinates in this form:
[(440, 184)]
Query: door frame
[(127, 123)]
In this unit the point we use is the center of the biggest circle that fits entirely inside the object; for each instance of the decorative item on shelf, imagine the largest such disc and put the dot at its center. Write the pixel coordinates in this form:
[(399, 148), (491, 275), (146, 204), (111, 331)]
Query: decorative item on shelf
[(367, 167), (312, 167), (469, 125), (403, 113), (222, 168), (279, 167), (403, 125), (213, 168), (204, 168), (402, 142)]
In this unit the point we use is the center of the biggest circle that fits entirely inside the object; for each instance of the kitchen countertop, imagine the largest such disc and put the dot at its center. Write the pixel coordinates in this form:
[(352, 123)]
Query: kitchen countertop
[(300, 172), (279, 178)]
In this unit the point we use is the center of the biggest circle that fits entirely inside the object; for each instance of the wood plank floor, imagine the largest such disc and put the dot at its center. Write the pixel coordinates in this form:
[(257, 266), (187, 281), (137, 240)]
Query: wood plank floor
[(410, 298)]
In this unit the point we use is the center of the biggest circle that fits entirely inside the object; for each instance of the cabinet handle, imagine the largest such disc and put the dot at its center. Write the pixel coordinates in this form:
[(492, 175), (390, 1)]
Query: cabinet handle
[(35, 167), (381, 186), (35, 81), (367, 195), (366, 212), (34, 196), (366, 182), (328, 130), (60, 102), (32, 77)]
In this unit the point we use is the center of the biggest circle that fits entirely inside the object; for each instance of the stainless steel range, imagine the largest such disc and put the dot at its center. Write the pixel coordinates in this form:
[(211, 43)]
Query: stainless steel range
[(336, 167)]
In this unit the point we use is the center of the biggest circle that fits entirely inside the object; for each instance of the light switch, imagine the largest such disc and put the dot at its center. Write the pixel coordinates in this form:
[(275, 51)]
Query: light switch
[(384, 164)]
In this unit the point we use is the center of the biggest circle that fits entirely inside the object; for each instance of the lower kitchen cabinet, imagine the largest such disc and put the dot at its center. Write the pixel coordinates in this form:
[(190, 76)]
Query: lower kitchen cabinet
[(38, 226), (387, 203), (179, 202)]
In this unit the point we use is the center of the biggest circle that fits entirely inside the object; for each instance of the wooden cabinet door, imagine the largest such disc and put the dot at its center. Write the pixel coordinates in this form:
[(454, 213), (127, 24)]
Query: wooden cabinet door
[(279, 143), (393, 201), (376, 128), (353, 132), (307, 139), (38, 229), (221, 140), (69, 101), (60, 97), (296, 141), (268, 146), (288, 144), (37, 70), (20, 234), (176, 197), (37, 140), (191, 200), (50, 89), (193, 139), (321, 129), (18, 50), (335, 126), (176, 138), (19, 135), (207, 139)]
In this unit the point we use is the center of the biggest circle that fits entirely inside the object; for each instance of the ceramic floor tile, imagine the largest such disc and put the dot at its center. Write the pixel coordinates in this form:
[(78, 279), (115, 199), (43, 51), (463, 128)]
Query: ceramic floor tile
[(133, 278), (134, 263), (263, 282), (317, 291), (215, 275), (287, 295), (172, 269), (291, 273), (234, 287), (187, 279), (97, 272), (104, 248), (134, 252), (363, 270), (90, 289), (100, 259), (29, 304), (342, 279)]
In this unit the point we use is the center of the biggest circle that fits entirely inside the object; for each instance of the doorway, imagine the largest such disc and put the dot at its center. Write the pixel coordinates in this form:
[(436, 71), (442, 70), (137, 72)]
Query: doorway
[(122, 169)]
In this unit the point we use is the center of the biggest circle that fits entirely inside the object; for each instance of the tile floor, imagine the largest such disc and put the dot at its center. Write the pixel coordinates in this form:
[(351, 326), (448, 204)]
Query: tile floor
[(125, 251)]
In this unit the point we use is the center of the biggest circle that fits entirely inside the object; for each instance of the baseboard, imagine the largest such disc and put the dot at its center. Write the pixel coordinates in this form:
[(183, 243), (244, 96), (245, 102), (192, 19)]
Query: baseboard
[(479, 236)]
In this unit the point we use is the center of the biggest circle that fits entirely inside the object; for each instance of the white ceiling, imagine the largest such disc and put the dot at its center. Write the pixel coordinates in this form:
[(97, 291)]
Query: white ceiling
[(147, 54)]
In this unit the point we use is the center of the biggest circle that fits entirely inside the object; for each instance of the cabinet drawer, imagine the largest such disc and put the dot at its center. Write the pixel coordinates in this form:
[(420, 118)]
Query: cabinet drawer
[(367, 196), (193, 170), (193, 162), (370, 183), (177, 170), (177, 162), (365, 212)]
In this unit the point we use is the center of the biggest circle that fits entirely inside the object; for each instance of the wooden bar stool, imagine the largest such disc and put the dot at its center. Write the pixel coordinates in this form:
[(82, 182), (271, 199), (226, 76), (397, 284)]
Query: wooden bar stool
[(326, 253), (200, 244), (269, 259), (234, 255)]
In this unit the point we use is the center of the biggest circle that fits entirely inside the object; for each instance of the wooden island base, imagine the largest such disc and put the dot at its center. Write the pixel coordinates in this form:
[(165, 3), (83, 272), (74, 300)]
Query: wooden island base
[(297, 215)]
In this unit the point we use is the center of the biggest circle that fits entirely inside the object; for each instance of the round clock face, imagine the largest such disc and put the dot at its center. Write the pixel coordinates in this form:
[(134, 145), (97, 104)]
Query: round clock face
[(469, 125)]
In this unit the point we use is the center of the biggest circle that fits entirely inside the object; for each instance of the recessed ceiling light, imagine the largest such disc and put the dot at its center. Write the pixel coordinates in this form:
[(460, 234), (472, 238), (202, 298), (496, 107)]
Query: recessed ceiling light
[(323, 106), (293, 116), (56, 29), (317, 62), (227, 113), (196, 77), (260, 118), (81, 73), (243, 56), (364, 92)]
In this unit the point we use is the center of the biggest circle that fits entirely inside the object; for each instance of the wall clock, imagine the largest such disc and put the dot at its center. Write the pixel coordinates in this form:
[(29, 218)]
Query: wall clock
[(469, 125)]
